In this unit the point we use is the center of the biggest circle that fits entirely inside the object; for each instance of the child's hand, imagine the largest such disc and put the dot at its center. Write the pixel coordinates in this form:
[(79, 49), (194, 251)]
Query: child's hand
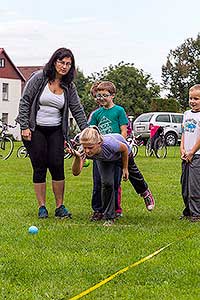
[(183, 155), (189, 156), (125, 174), (72, 151)]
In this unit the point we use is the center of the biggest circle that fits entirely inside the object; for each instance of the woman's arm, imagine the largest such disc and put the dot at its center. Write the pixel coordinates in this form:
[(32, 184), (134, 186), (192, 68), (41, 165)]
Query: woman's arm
[(76, 108), (30, 90)]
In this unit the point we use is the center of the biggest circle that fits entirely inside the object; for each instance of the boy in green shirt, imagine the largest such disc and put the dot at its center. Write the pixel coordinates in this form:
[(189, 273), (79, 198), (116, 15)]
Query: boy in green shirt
[(110, 118)]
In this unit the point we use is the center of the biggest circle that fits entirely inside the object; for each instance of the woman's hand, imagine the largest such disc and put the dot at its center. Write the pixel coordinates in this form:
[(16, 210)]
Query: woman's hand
[(26, 134)]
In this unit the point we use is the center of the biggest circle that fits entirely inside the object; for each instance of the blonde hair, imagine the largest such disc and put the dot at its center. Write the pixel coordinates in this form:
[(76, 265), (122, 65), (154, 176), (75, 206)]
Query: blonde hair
[(91, 135), (108, 86), (195, 87)]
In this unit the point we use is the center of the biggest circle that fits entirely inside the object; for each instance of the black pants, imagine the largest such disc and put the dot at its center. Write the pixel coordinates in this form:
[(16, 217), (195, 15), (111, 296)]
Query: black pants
[(106, 171), (46, 151), (96, 193)]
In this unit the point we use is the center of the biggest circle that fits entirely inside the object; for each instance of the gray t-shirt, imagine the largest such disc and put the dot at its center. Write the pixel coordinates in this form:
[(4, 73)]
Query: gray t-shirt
[(110, 147)]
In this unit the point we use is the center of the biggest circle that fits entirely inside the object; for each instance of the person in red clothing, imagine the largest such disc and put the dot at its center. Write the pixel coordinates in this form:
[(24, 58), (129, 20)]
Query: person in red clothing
[(155, 131)]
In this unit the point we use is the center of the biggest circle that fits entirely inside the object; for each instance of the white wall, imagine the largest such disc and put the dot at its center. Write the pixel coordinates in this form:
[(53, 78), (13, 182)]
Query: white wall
[(11, 106)]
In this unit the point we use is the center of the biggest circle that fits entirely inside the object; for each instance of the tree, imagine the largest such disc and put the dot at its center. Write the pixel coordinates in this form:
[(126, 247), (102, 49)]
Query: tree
[(169, 104), (182, 70), (80, 81), (135, 89)]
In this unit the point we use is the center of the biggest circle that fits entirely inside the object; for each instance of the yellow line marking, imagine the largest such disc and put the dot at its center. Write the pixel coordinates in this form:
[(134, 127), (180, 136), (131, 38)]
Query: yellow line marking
[(96, 286)]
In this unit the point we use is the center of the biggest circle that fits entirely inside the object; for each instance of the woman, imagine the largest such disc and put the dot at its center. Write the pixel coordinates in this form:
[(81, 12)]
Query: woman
[(43, 118)]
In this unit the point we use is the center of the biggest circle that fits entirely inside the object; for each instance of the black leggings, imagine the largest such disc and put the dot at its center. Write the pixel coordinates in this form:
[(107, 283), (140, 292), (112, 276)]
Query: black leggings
[(46, 151)]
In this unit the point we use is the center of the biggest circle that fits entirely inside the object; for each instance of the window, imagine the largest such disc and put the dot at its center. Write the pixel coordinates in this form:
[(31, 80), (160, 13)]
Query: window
[(177, 119), (5, 92), (2, 62), (163, 118), (5, 118), (144, 118)]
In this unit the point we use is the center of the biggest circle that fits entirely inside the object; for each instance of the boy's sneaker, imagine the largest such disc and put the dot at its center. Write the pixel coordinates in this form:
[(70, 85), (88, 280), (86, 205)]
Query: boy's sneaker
[(148, 200), (43, 212), (96, 216), (62, 212), (194, 219), (118, 215), (108, 223)]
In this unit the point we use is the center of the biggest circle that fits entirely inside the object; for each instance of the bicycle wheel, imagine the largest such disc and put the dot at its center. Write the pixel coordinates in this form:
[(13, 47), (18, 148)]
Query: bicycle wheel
[(148, 150), (160, 148), (134, 149), (22, 152), (6, 147)]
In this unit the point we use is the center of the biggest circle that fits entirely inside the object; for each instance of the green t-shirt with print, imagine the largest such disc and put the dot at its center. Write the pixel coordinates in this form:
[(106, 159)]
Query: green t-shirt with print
[(109, 120)]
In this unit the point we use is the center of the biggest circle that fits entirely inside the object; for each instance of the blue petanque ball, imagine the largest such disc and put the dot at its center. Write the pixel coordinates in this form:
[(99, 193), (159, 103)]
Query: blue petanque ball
[(33, 230), (86, 163)]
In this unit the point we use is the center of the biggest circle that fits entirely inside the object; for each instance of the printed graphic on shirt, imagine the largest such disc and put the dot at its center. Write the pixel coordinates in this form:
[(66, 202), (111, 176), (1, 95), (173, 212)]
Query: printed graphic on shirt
[(190, 125), (105, 126)]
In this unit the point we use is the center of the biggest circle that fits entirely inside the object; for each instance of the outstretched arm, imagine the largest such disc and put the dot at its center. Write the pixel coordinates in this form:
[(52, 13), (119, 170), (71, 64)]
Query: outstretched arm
[(78, 160), (77, 164)]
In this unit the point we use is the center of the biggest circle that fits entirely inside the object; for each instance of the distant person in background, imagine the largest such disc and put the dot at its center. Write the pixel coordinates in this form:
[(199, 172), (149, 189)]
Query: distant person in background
[(190, 155), (43, 118)]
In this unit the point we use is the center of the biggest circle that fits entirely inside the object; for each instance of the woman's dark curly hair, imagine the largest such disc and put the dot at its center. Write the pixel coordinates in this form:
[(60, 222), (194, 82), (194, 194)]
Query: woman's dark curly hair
[(49, 68)]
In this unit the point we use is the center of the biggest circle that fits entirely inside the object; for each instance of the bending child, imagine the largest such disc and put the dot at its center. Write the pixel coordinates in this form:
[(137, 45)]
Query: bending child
[(110, 150)]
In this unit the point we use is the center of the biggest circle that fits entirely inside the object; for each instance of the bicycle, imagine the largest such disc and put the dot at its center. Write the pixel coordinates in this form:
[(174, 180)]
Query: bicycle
[(159, 147), (135, 142), (22, 152), (6, 142)]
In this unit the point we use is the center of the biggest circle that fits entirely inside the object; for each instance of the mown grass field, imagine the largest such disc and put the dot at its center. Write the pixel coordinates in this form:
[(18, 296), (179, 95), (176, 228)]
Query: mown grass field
[(67, 257)]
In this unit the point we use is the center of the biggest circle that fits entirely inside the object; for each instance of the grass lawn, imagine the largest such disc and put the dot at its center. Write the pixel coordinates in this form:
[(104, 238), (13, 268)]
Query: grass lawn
[(67, 257)]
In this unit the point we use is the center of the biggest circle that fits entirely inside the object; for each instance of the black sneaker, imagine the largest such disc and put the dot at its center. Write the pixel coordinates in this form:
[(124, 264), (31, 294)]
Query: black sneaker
[(96, 216), (62, 212), (43, 212)]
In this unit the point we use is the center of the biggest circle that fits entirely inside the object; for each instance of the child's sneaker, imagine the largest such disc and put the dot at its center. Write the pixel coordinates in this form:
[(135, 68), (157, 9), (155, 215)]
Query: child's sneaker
[(62, 212), (148, 200), (118, 215), (108, 223), (96, 216), (43, 212)]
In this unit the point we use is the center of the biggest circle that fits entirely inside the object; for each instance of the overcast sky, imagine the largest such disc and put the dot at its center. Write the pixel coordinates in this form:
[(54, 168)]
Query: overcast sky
[(99, 33)]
